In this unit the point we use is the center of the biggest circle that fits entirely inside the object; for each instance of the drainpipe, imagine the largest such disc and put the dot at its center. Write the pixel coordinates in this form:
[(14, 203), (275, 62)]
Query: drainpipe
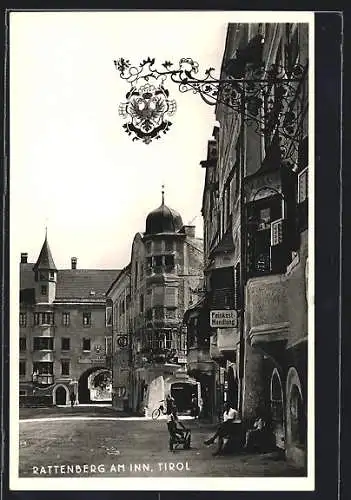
[(242, 250)]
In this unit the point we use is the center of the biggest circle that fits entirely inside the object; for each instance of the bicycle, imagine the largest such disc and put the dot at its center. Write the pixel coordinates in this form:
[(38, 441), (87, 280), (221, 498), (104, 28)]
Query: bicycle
[(161, 410)]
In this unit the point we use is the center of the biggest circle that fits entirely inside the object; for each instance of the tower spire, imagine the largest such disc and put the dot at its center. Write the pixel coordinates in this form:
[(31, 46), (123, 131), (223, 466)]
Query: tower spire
[(163, 194)]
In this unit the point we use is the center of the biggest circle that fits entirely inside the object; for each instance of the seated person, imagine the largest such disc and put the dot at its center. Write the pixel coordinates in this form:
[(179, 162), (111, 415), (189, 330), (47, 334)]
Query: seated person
[(254, 434), (230, 415), (175, 432)]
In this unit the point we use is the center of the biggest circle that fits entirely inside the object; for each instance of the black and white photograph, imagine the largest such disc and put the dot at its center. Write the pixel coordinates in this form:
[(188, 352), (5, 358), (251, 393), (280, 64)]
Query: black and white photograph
[(161, 250)]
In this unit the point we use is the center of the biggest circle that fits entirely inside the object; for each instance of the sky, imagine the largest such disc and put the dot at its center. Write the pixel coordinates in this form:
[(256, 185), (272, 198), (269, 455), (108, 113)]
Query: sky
[(72, 166)]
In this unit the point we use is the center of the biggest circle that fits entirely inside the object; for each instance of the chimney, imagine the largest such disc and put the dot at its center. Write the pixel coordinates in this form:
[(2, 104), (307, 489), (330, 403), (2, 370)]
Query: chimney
[(74, 262), (24, 258), (189, 231)]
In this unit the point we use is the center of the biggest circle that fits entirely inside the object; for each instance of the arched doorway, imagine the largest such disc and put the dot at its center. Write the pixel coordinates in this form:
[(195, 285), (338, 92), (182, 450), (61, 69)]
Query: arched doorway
[(277, 409), (94, 386), (60, 395), (296, 421)]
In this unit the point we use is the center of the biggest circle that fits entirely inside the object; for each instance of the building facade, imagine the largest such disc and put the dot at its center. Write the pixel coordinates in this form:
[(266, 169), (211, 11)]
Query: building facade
[(65, 332), (256, 236), (119, 294), (164, 274)]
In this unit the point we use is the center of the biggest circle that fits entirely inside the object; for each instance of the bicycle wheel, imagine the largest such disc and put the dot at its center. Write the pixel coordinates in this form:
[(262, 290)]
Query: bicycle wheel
[(155, 414)]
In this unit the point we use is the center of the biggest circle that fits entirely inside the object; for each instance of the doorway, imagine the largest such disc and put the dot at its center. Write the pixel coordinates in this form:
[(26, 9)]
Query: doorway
[(277, 410), (60, 396)]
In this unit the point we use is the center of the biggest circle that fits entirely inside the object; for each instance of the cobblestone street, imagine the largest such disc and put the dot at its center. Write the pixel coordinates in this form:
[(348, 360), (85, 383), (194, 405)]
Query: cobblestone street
[(110, 445)]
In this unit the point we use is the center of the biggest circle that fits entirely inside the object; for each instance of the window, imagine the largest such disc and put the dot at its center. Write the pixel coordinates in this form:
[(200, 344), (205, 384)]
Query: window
[(86, 319), (65, 344), (302, 186), (65, 318), (158, 260), (149, 314), (108, 316), (43, 343), (22, 368), (165, 339), (23, 344), (23, 319), (237, 290), (158, 313), (171, 296), (267, 240), (108, 346), (86, 344), (44, 318), (64, 366), (169, 261), (43, 372), (141, 303), (22, 392), (43, 290), (171, 313), (136, 274), (169, 245), (51, 275), (149, 263), (158, 295)]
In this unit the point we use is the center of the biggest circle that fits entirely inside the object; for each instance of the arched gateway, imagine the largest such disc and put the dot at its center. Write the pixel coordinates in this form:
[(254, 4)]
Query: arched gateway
[(95, 386)]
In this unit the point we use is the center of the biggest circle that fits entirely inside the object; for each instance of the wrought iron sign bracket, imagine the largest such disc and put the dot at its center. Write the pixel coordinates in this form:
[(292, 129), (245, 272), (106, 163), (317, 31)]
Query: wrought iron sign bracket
[(269, 99)]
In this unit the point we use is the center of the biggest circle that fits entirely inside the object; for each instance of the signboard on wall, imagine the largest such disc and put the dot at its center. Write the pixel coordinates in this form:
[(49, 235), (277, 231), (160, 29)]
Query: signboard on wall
[(223, 318)]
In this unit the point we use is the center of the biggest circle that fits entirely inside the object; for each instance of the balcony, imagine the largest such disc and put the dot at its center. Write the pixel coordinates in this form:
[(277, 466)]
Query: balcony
[(267, 311), (199, 360), (227, 340), (215, 353)]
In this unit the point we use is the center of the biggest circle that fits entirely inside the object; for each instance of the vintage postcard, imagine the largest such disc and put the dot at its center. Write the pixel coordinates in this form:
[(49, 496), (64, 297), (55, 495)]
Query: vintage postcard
[(161, 247)]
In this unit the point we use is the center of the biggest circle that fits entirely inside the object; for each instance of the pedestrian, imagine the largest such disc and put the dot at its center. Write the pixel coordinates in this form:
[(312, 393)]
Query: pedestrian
[(194, 407), (72, 398), (230, 415), (170, 404), (255, 435)]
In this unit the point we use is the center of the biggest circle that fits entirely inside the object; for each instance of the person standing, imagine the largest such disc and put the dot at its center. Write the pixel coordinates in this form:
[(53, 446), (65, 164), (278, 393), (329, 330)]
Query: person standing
[(72, 398), (170, 404)]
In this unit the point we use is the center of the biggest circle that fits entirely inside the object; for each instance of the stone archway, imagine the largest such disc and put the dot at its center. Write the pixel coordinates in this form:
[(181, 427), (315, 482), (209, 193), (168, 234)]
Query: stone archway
[(60, 395), (87, 391), (277, 409), (296, 421)]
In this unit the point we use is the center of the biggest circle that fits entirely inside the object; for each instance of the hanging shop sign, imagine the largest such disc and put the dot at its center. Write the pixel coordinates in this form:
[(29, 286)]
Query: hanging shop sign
[(122, 341), (223, 318)]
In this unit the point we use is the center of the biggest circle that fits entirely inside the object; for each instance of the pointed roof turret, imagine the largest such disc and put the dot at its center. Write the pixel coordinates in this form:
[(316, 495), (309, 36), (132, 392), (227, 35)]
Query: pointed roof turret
[(45, 260)]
